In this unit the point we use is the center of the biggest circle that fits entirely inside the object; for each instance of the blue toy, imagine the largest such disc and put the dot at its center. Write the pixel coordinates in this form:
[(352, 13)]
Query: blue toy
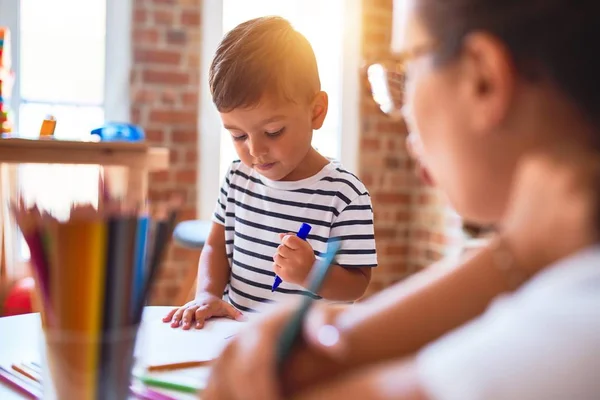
[(119, 132)]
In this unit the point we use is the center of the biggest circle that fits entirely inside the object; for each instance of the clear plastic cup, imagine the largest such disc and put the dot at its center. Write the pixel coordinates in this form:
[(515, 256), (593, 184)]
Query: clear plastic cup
[(83, 366)]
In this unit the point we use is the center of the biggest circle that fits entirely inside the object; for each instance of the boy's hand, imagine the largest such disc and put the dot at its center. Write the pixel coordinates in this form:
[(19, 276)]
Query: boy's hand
[(197, 311), (294, 259)]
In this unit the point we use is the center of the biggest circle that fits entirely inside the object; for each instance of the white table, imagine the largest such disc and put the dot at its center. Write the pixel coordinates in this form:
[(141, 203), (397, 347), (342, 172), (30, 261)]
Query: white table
[(20, 340)]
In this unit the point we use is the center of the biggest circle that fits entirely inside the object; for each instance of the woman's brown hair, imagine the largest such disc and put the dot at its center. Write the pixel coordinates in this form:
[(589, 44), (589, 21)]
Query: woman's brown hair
[(556, 41)]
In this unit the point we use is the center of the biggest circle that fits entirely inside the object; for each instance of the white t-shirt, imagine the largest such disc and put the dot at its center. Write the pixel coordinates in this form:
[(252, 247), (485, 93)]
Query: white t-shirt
[(541, 343), (254, 210)]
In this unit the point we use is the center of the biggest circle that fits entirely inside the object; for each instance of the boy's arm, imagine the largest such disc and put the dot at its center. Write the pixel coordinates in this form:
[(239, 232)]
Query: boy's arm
[(213, 268), (345, 284), (349, 277)]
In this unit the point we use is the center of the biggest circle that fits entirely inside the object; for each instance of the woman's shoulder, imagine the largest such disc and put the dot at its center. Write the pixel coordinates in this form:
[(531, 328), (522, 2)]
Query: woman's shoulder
[(541, 342)]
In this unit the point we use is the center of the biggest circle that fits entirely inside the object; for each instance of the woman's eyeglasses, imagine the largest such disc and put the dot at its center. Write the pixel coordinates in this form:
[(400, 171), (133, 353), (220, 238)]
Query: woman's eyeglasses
[(387, 80)]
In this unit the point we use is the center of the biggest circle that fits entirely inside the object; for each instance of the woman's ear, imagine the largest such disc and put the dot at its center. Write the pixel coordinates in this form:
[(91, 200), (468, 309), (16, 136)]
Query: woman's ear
[(319, 109), (491, 79)]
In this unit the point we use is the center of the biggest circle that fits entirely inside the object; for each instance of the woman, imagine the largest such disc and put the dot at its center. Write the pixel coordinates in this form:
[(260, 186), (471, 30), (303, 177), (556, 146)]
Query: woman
[(505, 99)]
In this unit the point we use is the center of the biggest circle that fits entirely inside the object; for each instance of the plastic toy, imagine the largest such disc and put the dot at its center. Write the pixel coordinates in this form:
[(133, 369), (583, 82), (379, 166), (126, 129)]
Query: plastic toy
[(119, 131), (18, 300)]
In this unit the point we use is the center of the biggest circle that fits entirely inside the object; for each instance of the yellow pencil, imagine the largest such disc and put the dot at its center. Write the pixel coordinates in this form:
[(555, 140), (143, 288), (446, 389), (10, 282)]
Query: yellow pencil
[(81, 248)]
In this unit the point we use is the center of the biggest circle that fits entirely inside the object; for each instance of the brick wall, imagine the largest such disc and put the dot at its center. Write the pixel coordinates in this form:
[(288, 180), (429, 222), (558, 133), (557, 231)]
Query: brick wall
[(164, 101), (413, 224)]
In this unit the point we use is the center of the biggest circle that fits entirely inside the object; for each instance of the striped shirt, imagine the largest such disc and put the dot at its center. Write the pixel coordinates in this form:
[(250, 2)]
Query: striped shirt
[(254, 210)]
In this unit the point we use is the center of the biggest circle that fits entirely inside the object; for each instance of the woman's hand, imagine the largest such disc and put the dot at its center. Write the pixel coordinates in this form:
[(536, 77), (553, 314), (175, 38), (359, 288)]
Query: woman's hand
[(246, 369)]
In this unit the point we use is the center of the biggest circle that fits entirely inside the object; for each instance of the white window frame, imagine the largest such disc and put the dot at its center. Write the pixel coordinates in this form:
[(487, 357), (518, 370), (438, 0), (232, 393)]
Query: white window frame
[(209, 143), (118, 64)]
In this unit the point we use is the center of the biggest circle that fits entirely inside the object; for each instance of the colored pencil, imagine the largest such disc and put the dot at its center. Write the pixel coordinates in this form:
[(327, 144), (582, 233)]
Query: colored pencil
[(162, 384), (291, 331), (93, 272), (149, 394), (9, 379), (178, 366), (25, 373)]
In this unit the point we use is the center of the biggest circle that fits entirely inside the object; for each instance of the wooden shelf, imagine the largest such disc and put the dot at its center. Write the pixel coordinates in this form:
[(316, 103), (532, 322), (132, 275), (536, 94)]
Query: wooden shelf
[(49, 151)]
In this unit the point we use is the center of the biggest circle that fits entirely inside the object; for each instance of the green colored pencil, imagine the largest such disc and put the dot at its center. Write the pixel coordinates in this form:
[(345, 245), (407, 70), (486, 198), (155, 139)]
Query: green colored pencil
[(159, 383)]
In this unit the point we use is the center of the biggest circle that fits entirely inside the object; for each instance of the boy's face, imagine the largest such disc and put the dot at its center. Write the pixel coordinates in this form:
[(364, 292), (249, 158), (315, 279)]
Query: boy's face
[(274, 138)]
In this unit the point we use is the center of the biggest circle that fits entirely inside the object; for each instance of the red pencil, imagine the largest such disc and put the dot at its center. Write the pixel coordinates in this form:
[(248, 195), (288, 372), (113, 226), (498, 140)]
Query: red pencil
[(8, 379)]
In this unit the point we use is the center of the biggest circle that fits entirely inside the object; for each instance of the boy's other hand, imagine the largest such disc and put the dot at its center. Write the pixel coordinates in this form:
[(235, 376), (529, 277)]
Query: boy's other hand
[(294, 259), (197, 311)]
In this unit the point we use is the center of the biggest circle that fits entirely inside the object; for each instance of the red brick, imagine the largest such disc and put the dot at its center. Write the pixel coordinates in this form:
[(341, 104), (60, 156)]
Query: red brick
[(155, 135), (159, 176), (402, 216), (392, 198), (190, 18), (426, 199), (140, 16), (190, 136), (174, 157), (370, 144), (422, 234), (168, 97), (190, 98), (191, 156), (163, 17), (384, 233), (174, 117), (176, 37), (194, 60), (392, 162), (144, 96), (136, 115), (439, 238), (186, 176), (165, 77), (145, 36), (148, 56), (395, 250), (367, 180)]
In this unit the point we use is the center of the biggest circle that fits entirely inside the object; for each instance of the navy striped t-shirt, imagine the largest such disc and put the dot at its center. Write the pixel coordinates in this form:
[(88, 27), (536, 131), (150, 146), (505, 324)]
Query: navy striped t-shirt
[(254, 210)]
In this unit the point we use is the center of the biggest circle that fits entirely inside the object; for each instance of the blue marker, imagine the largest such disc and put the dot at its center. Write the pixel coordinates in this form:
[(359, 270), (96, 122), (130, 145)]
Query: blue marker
[(302, 234)]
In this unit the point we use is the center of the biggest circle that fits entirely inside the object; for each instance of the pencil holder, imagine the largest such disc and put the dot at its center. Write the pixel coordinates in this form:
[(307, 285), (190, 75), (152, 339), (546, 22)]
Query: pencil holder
[(93, 272), (87, 366)]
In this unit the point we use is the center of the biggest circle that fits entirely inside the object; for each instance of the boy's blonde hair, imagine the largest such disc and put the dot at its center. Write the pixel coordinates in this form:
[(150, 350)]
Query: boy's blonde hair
[(263, 57)]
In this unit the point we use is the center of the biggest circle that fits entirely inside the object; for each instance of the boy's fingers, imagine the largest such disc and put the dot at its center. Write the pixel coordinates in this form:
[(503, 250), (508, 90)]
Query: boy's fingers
[(188, 315), (232, 312), (278, 259), (203, 313), (169, 316), (292, 241), (178, 314), (200, 323), (285, 251)]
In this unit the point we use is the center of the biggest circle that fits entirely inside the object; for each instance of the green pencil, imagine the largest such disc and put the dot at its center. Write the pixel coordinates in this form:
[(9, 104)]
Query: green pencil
[(159, 383)]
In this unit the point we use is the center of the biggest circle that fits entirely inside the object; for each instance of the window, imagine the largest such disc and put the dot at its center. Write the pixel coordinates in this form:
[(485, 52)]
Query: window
[(333, 29), (64, 67)]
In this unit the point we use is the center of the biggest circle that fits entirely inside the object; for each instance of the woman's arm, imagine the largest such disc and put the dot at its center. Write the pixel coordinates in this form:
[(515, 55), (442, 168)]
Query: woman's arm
[(400, 320), (393, 381)]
